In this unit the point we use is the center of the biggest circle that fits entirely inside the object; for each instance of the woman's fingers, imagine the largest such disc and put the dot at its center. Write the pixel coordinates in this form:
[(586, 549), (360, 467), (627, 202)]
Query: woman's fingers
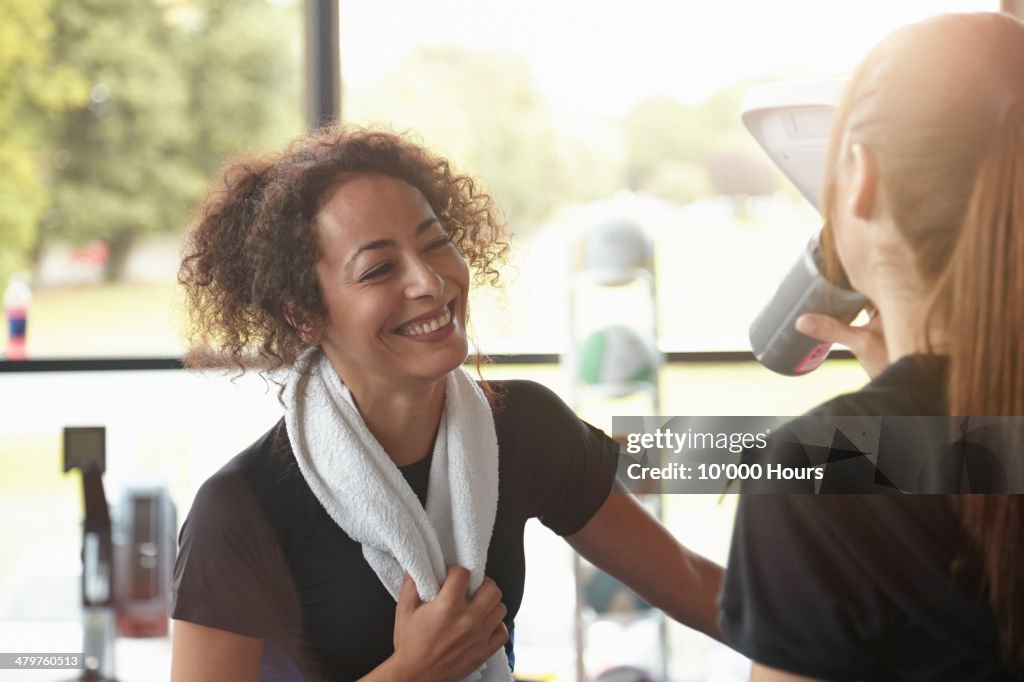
[(456, 584), (452, 635), (487, 602), (825, 328), (498, 637), (866, 342), (487, 595), (494, 618), (408, 597)]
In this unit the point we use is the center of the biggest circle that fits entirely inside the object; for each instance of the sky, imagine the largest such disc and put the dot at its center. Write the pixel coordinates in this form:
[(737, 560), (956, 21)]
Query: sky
[(600, 58)]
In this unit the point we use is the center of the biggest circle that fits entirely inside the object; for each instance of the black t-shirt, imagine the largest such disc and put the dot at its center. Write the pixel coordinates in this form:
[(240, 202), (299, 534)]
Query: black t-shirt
[(260, 557), (909, 396), (860, 587)]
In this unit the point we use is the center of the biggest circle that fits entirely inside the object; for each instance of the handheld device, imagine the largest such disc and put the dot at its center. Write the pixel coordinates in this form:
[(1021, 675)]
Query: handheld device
[(773, 336), (792, 122)]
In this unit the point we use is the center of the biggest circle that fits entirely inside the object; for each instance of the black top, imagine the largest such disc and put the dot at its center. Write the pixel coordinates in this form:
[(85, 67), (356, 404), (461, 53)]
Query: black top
[(260, 557), (860, 587), (905, 409)]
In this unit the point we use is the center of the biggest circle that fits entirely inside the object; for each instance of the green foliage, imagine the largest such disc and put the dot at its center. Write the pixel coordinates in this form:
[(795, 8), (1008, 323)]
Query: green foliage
[(678, 181), (669, 146), (243, 79), (33, 91), (483, 111), (130, 106), (661, 129), (123, 170), (175, 88)]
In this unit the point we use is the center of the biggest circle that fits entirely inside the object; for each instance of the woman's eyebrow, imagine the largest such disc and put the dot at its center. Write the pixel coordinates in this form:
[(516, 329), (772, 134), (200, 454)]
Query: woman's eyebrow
[(425, 225), (385, 243)]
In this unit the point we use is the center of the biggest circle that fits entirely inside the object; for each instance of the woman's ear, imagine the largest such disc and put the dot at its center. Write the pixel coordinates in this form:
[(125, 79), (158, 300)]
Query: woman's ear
[(863, 194), (310, 336), (309, 333)]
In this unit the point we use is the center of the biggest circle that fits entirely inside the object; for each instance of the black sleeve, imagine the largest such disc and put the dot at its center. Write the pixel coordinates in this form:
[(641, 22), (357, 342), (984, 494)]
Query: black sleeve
[(795, 595), (565, 465), (229, 571)]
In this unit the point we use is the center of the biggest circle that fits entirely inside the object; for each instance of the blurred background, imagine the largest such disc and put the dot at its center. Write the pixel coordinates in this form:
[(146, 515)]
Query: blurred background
[(116, 114)]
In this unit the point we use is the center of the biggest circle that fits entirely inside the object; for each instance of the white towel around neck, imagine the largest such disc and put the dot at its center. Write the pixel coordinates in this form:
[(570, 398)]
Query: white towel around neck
[(366, 495)]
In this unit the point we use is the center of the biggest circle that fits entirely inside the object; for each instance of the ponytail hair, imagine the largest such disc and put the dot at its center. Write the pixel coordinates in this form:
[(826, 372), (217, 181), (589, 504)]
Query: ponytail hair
[(982, 290), (985, 291)]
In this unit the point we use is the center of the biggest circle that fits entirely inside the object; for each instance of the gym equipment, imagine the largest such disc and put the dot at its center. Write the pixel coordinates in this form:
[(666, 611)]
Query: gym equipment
[(127, 559), (85, 450), (613, 367), (617, 356), (145, 546)]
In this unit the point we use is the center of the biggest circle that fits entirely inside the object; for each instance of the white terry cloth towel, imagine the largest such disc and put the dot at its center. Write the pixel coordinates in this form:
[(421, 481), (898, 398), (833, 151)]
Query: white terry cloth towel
[(366, 495)]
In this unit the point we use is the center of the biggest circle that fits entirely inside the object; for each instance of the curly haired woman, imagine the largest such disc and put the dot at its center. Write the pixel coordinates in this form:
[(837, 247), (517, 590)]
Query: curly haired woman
[(376, 532)]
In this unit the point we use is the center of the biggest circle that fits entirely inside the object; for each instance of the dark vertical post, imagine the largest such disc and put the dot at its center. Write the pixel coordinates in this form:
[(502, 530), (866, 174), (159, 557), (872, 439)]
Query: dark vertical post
[(323, 63)]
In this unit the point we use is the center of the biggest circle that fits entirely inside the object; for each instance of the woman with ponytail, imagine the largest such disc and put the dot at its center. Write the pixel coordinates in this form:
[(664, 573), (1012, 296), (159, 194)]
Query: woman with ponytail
[(924, 199)]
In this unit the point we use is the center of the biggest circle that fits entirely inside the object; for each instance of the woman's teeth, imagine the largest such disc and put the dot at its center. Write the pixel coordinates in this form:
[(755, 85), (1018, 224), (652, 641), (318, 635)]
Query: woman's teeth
[(420, 328)]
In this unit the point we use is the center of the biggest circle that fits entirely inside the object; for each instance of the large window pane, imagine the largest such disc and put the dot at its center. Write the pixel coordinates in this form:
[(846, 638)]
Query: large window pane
[(117, 114), (572, 112)]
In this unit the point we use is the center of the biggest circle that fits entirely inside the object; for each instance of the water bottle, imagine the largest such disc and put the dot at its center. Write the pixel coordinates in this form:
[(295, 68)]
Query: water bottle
[(16, 300), (773, 336)]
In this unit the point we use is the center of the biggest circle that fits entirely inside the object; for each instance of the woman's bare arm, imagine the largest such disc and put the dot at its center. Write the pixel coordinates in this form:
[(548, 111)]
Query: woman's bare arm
[(202, 654), (625, 541)]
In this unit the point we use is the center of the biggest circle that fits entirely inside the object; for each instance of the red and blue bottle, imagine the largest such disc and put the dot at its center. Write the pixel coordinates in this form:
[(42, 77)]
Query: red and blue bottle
[(16, 300)]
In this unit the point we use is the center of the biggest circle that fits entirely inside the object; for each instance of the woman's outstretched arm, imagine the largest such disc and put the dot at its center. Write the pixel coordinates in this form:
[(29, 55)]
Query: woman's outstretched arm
[(625, 541)]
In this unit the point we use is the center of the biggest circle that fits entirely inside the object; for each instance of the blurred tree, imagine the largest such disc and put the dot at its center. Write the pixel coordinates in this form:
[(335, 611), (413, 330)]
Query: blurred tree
[(243, 76), (741, 175), (176, 86), (679, 181), (33, 90), (594, 153), (660, 131), (123, 170), (483, 111), (671, 143)]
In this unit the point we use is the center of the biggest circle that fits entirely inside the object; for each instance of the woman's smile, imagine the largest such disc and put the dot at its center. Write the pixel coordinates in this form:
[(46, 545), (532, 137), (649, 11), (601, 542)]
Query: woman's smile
[(432, 326)]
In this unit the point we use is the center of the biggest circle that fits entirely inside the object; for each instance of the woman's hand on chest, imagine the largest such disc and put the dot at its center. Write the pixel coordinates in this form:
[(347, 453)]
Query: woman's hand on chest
[(451, 636)]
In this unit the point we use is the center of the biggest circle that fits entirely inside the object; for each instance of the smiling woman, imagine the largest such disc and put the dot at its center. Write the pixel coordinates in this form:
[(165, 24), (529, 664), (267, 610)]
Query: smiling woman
[(376, 532), (251, 267), (393, 284)]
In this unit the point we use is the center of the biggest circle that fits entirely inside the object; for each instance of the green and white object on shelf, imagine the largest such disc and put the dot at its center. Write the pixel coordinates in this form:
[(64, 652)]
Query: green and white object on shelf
[(616, 357)]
